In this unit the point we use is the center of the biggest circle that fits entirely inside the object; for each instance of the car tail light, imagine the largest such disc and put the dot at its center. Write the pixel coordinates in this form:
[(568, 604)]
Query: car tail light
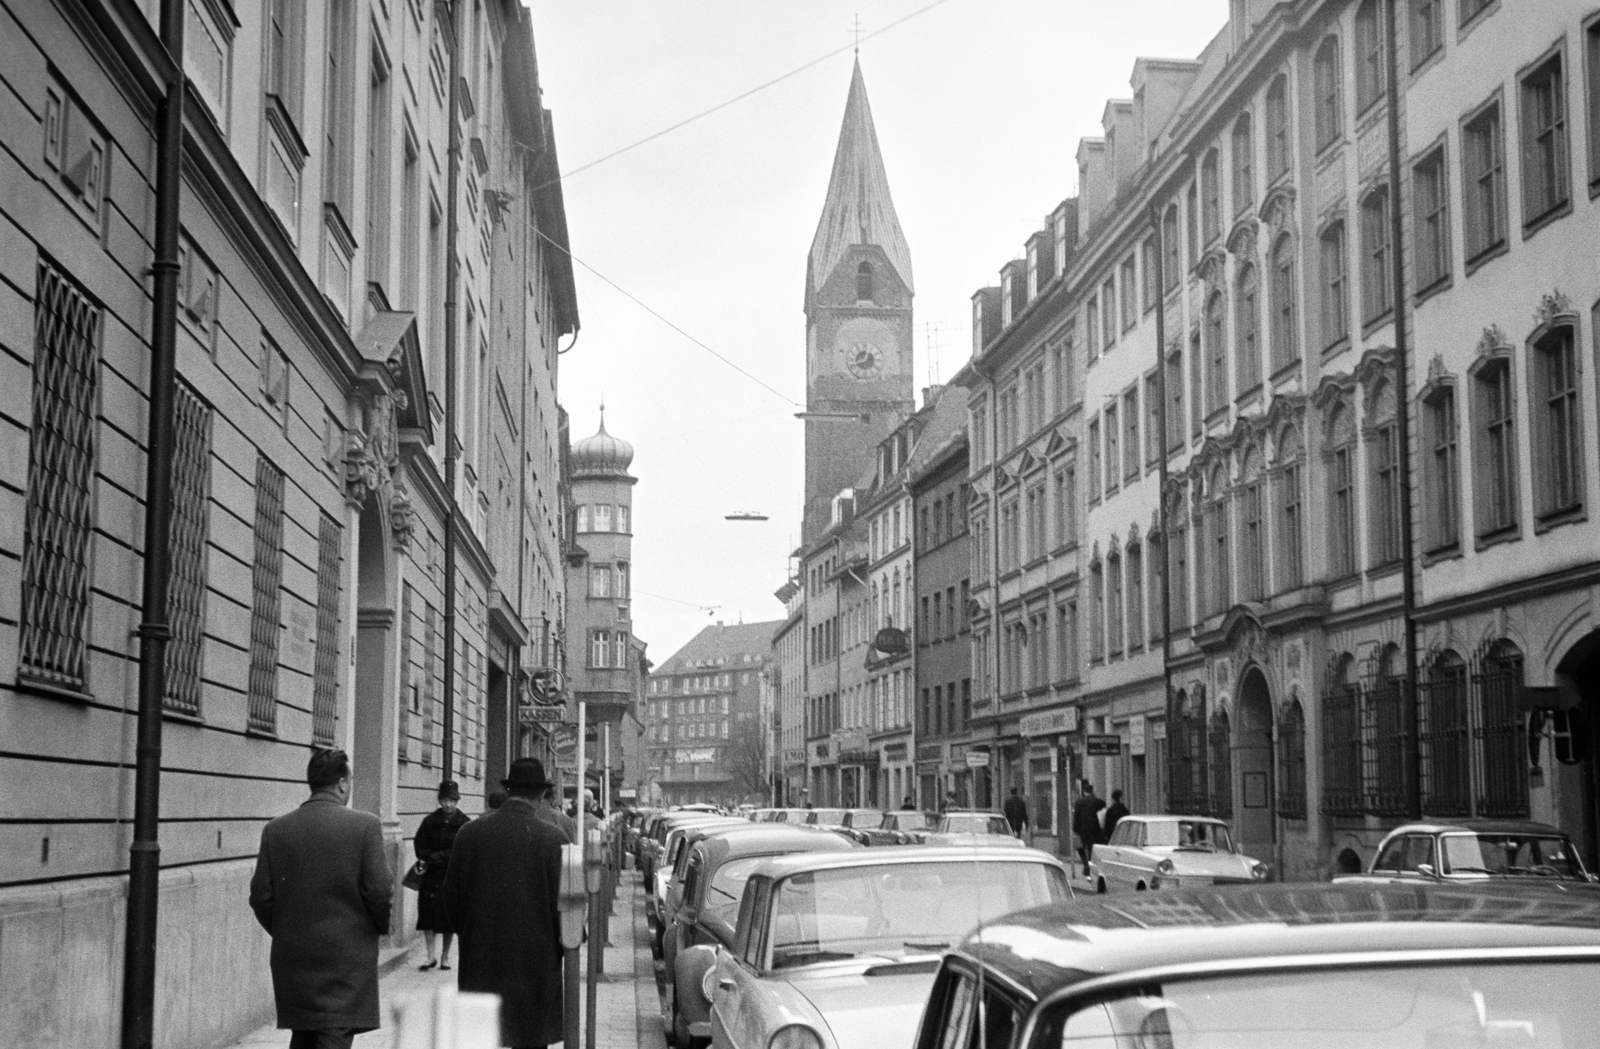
[(795, 1036), (1258, 871)]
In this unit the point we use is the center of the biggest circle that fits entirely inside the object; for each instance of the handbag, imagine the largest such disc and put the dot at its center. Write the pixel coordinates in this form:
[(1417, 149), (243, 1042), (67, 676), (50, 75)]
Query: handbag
[(413, 878)]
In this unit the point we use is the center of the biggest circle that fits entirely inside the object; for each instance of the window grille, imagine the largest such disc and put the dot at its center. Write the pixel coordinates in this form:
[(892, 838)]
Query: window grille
[(1187, 753), (53, 643), (1446, 770), (1221, 802), (325, 684), (266, 579), (1501, 732), (403, 749), (430, 690), (1292, 764), (1341, 745), (1386, 740), (186, 601)]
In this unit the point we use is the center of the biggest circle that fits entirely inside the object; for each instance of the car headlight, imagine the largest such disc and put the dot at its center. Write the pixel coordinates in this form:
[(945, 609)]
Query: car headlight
[(708, 984), (1258, 871), (795, 1036), (1166, 867)]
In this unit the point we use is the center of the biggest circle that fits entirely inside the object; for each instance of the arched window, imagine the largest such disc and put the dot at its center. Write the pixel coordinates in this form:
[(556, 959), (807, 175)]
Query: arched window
[(1445, 743), (1252, 530), (1114, 592), (1278, 128), (1216, 354), (1290, 526), (1281, 304), (1244, 167), (1341, 739), (864, 282), (1369, 55), (1503, 769), (1335, 267), (1389, 731), (1172, 264), (1327, 85), (1341, 493), (894, 605), (1292, 763), (1210, 198), (1221, 570), (1383, 460), (1221, 766), (1247, 367)]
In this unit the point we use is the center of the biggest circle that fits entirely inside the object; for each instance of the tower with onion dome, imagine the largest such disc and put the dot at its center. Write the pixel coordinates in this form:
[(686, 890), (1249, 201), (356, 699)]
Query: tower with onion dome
[(603, 657), (858, 317)]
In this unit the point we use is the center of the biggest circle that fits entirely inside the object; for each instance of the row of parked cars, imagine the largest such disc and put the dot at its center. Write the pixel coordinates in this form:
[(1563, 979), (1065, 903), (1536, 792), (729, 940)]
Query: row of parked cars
[(901, 826), (793, 935)]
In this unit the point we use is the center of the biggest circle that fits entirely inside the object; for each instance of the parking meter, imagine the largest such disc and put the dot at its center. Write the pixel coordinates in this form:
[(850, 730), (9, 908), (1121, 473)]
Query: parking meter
[(574, 900), (593, 859)]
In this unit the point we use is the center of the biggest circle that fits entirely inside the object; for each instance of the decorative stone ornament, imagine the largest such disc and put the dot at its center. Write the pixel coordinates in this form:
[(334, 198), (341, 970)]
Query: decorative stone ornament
[(1553, 306)]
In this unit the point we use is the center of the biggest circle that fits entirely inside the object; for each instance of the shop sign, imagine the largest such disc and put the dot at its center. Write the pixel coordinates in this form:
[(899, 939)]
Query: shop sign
[(1103, 746), (891, 641), (530, 714), (694, 757), (930, 752), (895, 752), (1136, 732), (1158, 728), (977, 759), (850, 739), (1050, 722)]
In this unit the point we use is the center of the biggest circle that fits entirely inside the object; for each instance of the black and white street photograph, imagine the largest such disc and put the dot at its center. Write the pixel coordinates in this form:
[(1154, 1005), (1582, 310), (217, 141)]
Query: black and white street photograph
[(801, 524)]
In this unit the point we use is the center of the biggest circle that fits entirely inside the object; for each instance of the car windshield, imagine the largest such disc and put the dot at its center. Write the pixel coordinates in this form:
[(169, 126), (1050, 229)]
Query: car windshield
[(1535, 1004), (908, 821), (1533, 855), (900, 908), (1188, 834), (974, 823), (831, 817), (866, 820), (727, 885)]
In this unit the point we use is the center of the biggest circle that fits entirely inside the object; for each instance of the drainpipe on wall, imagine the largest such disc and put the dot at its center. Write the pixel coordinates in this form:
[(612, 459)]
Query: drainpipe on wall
[(144, 855), (994, 559), (1164, 476), (1403, 416), (452, 277)]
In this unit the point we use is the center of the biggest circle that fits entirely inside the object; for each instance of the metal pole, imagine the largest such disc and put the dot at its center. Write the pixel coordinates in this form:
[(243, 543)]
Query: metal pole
[(571, 995), (1408, 593), (1165, 474), (144, 855), (452, 277), (596, 951)]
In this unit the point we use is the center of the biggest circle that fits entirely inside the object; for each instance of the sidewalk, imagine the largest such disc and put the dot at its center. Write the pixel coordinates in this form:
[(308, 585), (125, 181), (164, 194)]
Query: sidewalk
[(627, 1006)]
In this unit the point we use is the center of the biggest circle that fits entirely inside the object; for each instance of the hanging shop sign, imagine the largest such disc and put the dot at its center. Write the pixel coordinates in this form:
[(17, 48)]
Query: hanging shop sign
[(1136, 734), (694, 757), (977, 759), (891, 641)]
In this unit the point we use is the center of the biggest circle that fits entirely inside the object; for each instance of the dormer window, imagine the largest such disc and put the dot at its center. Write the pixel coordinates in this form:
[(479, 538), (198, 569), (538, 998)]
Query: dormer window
[(864, 282)]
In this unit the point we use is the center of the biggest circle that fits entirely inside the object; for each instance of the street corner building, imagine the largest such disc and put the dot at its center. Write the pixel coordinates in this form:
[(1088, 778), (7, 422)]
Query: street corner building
[(1283, 438), (368, 519)]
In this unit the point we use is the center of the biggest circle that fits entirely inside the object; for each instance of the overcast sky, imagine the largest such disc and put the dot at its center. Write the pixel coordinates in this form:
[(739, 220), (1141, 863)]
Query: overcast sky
[(979, 105)]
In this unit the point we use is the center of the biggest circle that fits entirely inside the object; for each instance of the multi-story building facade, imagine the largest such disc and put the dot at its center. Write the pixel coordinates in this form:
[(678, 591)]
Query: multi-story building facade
[(839, 758), (1270, 477), (607, 673), (312, 504), (789, 667), (703, 724), (941, 689)]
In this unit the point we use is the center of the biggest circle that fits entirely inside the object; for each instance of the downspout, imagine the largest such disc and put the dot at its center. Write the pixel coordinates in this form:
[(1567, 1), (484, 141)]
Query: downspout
[(513, 728), (452, 277), (1164, 477), (144, 854), (1403, 419), (994, 557)]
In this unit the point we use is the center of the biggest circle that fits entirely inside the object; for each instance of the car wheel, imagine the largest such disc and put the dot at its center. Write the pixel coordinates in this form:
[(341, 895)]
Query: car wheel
[(1100, 886)]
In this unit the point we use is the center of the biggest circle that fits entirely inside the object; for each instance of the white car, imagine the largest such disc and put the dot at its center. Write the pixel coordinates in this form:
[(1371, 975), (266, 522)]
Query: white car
[(1169, 852), (974, 827)]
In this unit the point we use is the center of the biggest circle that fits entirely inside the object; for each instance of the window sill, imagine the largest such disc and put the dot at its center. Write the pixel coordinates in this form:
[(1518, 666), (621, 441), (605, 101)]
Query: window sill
[(1559, 518), (1344, 581), (1428, 60), (183, 717), (38, 687), (1449, 552), (1489, 254), (1035, 563), (1248, 397), (1373, 323), (1443, 283), (1475, 21), (1548, 218), (1219, 415), (1286, 371), (1385, 570), (1509, 534)]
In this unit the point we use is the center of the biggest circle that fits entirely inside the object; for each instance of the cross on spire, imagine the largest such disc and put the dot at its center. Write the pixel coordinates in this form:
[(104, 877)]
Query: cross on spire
[(857, 30)]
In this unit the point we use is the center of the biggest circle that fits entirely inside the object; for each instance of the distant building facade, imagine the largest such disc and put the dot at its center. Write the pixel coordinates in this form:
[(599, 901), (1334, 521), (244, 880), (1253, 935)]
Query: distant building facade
[(789, 669), (704, 737)]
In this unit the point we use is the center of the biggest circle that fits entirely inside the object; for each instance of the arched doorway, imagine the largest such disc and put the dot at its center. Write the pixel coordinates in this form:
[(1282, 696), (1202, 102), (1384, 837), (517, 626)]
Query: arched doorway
[(1577, 786), (1252, 761), (375, 717)]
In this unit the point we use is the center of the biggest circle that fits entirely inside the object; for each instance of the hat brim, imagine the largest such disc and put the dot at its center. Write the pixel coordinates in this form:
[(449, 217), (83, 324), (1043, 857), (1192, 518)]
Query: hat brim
[(526, 784)]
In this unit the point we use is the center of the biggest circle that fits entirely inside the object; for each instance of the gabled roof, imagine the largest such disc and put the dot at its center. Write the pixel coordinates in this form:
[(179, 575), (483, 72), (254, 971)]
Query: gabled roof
[(726, 643), (858, 209)]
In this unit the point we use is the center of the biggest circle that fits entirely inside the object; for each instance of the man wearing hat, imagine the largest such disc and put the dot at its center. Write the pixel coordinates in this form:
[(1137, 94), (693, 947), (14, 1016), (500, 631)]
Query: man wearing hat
[(501, 892), (435, 839)]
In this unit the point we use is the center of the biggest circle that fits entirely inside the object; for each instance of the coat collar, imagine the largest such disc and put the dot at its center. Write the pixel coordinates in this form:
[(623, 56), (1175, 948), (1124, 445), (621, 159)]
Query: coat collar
[(520, 804), (323, 795)]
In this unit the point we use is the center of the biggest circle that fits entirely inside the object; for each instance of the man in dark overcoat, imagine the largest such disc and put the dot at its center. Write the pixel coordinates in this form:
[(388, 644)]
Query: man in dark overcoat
[(501, 892), (1086, 823), (321, 889)]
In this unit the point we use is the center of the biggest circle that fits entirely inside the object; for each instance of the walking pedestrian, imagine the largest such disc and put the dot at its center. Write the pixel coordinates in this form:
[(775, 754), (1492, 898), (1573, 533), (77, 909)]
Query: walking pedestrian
[(435, 838), (501, 892), (551, 813), (322, 890), (1114, 813), (1086, 823), (1016, 811)]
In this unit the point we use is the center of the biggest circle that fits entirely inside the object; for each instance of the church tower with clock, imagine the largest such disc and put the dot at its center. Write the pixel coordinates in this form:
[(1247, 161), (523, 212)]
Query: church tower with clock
[(858, 318)]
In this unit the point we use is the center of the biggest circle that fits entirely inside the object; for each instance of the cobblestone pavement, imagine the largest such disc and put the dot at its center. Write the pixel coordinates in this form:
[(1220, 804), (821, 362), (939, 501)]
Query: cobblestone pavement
[(627, 1007)]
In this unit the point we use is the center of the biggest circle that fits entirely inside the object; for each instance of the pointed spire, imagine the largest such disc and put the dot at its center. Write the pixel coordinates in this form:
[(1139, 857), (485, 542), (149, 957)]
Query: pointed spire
[(858, 209)]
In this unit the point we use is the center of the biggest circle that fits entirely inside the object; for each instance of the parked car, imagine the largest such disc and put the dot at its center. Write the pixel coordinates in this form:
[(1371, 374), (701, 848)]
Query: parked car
[(830, 818), (670, 870), (908, 826), (837, 950), (973, 827), (1268, 966), (788, 815), (707, 907), (864, 826), (1155, 852), (652, 846), (1473, 850)]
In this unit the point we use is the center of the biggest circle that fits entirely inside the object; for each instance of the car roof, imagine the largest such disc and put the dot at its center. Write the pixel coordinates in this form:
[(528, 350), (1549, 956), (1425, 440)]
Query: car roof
[(1478, 826), (766, 839), (1147, 818), (783, 866), (1046, 948)]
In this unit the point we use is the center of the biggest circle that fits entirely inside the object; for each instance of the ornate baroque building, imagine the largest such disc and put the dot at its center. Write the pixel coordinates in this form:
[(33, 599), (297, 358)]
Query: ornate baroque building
[(1262, 480), (311, 504)]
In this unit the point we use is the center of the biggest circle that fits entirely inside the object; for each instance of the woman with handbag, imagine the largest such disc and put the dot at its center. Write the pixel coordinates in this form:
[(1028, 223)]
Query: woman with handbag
[(435, 838)]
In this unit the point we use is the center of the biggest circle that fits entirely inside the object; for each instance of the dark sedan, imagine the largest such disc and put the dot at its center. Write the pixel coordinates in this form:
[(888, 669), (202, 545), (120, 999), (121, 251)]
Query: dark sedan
[(1309, 966)]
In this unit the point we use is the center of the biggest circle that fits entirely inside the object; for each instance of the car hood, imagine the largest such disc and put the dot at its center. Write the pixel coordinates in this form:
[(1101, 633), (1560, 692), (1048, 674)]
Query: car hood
[(868, 1012), (1210, 864), (986, 840)]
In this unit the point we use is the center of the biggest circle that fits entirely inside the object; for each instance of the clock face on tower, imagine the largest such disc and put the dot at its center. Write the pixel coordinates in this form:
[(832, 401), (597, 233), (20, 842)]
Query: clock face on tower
[(864, 360), (864, 346)]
